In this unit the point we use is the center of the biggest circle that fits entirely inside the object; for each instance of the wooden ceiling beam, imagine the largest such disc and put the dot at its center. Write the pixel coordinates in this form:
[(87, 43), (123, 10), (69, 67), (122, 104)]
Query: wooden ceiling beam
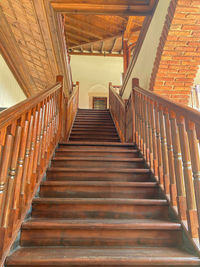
[(104, 7), (130, 28), (102, 47), (96, 54), (113, 45)]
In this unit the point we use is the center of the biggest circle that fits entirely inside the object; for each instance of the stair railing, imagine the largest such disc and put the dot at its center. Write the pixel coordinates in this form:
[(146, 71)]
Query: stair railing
[(118, 112), (71, 109), (29, 134), (168, 136)]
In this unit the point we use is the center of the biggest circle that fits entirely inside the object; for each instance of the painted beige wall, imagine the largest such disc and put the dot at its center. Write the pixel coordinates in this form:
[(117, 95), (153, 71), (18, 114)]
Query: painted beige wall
[(197, 79), (94, 73), (10, 91), (145, 61)]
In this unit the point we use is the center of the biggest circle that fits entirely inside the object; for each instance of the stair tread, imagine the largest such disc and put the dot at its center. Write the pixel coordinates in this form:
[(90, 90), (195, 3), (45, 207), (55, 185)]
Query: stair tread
[(100, 183), (147, 224), (90, 143), (117, 256), (117, 201), (63, 149), (120, 159), (102, 170)]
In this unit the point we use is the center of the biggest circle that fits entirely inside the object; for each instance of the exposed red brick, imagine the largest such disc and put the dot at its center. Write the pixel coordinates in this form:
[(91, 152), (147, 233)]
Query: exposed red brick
[(178, 54)]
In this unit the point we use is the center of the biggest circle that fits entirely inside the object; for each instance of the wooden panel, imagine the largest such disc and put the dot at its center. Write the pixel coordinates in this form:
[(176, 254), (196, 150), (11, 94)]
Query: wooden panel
[(31, 45)]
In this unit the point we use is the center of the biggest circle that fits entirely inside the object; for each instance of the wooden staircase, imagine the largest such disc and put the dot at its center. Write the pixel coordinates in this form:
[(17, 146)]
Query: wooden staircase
[(94, 125), (100, 206)]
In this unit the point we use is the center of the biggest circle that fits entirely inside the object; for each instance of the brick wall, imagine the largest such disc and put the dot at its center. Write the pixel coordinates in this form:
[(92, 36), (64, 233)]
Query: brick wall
[(178, 54)]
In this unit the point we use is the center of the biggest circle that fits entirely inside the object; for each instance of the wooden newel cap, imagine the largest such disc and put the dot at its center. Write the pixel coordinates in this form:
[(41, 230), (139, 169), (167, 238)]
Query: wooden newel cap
[(59, 78), (135, 82)]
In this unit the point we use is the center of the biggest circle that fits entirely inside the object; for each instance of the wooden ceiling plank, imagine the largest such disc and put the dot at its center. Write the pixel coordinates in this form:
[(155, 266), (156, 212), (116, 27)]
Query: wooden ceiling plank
[(130, 28), (89, 26), (77, 37), (78, 29), (106, 39), (89, 7)]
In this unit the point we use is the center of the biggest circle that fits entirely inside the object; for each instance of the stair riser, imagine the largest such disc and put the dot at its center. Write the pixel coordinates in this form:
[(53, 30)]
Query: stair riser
[(99, 237), (98, 192), (93, 134), (96, 164), (94, 139), (95, 176), (95, 154), (110, 211)]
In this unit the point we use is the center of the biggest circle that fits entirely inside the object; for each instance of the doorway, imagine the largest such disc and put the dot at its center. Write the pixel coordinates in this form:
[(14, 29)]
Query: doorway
[(99, 103)]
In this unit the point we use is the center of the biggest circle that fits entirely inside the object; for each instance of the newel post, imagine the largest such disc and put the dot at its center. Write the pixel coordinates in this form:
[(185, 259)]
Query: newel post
[(59, 79), (135, 83)]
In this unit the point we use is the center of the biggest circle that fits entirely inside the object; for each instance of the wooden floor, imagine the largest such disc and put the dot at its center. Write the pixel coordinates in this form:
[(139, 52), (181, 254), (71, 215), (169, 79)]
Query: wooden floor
[(100, 206)]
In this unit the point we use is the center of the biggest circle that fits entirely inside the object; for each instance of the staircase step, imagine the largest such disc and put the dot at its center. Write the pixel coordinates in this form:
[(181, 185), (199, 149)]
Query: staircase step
[(64, 152), (112, 208), (94, 189), (87, 162), (95, 138), (90, 134), (70, 256), (104, 232), (97, 174)]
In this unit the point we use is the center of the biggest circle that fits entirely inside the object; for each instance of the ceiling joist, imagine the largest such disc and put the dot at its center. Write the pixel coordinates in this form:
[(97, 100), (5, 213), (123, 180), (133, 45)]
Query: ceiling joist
[(104, 7)]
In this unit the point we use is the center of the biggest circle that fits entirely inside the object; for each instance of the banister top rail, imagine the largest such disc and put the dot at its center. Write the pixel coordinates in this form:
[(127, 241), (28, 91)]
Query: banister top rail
[(15, 111), (189, 113), (74, 92)]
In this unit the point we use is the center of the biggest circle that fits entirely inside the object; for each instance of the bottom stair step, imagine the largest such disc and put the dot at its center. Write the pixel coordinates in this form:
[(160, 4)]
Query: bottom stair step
[(67, 256)]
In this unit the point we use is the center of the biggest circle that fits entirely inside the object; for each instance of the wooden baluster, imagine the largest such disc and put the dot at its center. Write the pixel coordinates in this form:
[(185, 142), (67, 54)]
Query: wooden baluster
[(23, 193), (146, 119), (39, 160), (4, 169), (165, 162), (181, 201), (150, 135), (31, 178), (195, 159), (136, 120), (188, 178), (143, 126), (159, 149), (8, 215), (173, 189), (154, 139), (135, 83), (37, 146)]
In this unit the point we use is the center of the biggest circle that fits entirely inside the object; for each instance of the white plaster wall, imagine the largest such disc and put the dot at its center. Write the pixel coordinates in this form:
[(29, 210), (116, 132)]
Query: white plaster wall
[(145, 61), (94, 73), (10, 91)]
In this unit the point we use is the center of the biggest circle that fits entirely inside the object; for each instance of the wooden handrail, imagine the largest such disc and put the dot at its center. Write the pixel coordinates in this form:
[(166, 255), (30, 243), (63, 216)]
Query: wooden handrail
[(168, 136), (118, 111), (29, 133)]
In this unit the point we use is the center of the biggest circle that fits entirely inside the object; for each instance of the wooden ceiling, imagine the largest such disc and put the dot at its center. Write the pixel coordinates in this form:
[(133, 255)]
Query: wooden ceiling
[(31, 34), (100, 35)]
